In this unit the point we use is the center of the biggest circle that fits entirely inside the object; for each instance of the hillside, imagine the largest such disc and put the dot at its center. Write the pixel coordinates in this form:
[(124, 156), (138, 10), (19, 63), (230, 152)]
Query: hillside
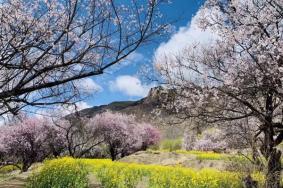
[(146, 109)]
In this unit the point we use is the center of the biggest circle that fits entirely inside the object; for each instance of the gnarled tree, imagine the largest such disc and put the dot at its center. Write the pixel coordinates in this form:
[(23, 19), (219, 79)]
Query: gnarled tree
[(238, 76)]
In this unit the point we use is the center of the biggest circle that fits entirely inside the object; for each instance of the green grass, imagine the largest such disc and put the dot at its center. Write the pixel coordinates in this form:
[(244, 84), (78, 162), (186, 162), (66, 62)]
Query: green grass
[(171, 144), (8, 168), (206, 155)]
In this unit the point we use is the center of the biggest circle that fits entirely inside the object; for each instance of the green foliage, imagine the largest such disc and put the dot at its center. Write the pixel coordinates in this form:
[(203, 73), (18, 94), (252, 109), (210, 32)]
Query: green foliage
[(171, 144), (154, 147), (9, 168), (60, 173)]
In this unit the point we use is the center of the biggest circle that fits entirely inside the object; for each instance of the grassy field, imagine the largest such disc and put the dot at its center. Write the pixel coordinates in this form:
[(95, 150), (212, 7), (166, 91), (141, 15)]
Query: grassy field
[(153, 169), (190, 159)]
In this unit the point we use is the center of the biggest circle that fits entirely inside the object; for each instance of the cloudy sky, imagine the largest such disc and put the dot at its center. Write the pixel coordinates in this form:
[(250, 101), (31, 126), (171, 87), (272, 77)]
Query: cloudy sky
[(124, 82)]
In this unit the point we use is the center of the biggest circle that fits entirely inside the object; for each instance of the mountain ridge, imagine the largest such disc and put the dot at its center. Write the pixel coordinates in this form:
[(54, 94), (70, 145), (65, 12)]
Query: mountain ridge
[(146, 109)]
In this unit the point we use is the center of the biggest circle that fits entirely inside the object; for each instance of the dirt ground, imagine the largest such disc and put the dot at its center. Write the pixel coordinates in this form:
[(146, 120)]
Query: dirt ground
[(172, 158)]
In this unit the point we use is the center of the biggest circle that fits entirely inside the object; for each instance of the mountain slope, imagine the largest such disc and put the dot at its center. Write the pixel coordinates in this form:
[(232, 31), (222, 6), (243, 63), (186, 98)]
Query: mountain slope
[(146, 109)]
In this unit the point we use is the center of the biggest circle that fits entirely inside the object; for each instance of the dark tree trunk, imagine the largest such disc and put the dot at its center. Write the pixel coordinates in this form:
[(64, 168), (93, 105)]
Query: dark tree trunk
[(256, 157), (248, 182), (268, 149), (26, 166), (112, 153), (273, 157), (144, 147), (273, 169)]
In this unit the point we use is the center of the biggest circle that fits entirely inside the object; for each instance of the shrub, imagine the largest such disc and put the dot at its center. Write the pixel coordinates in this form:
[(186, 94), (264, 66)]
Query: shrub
[(60, 173), (171, 144), (9, 168)]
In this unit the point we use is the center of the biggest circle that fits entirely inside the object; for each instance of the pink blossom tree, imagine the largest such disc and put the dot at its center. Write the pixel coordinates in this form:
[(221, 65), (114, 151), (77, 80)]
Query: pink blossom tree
[(150, 135), (30, 140), (211, 140), (122, 134), (237, 76)]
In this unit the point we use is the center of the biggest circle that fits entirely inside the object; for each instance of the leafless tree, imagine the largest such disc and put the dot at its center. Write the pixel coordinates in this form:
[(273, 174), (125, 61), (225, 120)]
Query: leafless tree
[(80, 138)]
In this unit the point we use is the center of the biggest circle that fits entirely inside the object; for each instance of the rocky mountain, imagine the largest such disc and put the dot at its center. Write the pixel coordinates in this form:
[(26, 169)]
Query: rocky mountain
[(146, 109)]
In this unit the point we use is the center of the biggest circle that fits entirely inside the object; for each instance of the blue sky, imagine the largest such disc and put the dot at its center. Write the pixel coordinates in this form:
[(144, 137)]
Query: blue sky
[(123, 82)]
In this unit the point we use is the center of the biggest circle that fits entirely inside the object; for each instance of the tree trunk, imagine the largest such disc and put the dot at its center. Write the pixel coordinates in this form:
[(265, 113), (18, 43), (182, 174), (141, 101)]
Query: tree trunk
[(248, 182), (273, 157), (256, 157), (269, 151), (26, 166), (112, 153), (273, 169)]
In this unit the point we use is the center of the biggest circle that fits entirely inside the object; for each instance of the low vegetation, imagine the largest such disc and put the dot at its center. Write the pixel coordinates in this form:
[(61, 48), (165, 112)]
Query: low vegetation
[(171, 144), (64, 172), (68, 171)]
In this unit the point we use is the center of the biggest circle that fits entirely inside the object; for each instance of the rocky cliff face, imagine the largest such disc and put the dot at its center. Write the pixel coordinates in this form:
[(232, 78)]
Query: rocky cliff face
[(146, 109)]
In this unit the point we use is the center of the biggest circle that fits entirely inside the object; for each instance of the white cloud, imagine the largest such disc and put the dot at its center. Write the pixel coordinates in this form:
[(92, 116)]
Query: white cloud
[(88, 85), (134, 57), (185, 36), (130, 85)]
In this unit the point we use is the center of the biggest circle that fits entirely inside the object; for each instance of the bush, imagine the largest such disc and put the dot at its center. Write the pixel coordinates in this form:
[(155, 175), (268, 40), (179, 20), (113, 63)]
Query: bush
[(9, 168), (60, 173), (172, 144)]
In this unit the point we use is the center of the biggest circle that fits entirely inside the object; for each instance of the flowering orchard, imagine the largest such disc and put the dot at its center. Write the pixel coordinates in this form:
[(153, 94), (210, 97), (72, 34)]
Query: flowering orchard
[(34, 139)]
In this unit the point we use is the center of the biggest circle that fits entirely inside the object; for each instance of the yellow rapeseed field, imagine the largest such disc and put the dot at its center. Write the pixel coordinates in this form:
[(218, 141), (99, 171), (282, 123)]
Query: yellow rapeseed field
[(130, 175)]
